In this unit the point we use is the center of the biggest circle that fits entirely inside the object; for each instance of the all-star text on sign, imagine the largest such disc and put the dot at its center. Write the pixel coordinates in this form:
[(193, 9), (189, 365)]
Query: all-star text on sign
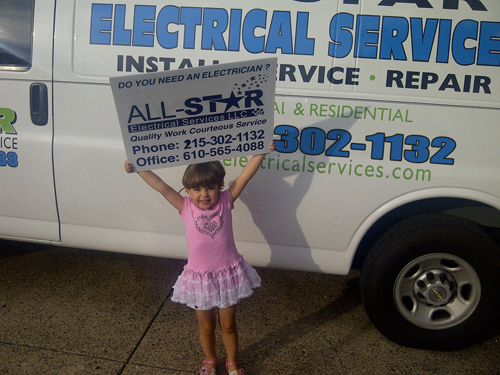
[(196, 115)]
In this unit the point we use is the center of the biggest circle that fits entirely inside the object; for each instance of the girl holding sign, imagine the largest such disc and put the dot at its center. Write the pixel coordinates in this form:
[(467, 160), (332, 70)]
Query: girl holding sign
[(216, 275)]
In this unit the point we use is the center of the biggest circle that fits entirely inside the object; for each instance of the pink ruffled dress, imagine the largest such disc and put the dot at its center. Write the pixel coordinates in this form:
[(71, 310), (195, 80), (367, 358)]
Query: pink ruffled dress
[(216, 275)]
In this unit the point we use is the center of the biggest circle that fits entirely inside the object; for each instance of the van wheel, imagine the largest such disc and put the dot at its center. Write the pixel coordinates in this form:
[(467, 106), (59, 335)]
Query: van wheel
[(431, 282)]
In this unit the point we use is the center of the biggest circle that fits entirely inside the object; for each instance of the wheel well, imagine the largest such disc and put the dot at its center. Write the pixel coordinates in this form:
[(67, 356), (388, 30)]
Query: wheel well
[(485, 216)]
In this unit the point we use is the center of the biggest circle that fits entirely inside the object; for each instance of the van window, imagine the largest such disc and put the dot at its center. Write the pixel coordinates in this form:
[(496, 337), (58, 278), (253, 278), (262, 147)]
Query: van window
[(16, 30)]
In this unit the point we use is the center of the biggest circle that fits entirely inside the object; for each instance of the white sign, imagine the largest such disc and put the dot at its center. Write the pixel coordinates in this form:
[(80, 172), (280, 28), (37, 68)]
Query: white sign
[(196, 115)]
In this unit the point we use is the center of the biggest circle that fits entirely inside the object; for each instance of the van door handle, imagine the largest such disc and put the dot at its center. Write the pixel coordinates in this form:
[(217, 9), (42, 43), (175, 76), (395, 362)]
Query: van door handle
[(39, 104)]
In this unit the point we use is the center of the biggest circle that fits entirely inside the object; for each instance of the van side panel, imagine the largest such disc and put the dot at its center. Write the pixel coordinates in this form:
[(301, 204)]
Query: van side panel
[(28, 207), (376, 100)]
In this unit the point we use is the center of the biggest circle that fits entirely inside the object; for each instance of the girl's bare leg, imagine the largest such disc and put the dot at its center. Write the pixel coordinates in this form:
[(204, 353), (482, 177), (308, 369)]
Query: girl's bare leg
[(227, 321), (208, 323)]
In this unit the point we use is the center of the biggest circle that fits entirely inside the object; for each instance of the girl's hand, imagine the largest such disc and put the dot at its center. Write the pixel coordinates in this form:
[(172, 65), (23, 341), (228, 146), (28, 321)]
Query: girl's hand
[(129, 168), (271, 149)]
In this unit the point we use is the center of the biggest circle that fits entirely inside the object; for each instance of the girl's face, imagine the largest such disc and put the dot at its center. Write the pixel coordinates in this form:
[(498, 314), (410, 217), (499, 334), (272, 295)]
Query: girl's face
[(204, 197)]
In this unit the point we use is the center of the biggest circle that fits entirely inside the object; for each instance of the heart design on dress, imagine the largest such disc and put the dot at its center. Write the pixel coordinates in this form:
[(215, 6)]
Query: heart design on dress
[(209, 225)]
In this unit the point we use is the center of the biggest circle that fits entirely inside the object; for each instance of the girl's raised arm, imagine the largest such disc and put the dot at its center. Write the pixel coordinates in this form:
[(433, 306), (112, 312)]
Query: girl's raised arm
[(247, 173), (173, 197)]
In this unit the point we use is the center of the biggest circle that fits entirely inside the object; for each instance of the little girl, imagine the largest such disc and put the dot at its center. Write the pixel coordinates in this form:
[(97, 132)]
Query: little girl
[(216, 275)]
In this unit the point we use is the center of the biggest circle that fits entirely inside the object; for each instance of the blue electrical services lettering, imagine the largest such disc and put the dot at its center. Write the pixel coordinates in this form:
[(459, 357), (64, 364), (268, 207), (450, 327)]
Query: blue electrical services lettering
[(466, 42), (151, 27)]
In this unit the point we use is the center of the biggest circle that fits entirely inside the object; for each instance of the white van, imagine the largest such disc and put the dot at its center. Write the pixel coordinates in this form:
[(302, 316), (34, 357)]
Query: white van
[(387, 137)]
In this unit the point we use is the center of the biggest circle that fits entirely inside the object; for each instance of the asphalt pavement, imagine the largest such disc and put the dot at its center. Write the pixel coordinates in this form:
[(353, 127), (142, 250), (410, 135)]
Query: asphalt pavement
[(70, 311)]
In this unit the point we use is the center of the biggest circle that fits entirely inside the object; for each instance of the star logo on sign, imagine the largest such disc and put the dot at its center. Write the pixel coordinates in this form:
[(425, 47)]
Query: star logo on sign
[(232, 101)]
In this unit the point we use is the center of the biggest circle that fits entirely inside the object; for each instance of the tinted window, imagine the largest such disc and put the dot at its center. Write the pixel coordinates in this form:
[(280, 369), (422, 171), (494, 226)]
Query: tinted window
[(16, 30)]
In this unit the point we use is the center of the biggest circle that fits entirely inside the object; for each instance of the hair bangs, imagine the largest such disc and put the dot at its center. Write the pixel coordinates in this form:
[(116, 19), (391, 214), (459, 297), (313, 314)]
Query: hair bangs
[(204, 175)]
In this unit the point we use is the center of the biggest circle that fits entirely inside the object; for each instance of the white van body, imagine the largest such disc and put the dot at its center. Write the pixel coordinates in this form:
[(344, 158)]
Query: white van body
[(385, 110)]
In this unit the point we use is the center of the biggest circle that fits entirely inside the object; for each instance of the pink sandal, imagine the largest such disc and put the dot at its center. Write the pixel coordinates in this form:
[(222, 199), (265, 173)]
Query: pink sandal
[(208, 370), (240, 371)]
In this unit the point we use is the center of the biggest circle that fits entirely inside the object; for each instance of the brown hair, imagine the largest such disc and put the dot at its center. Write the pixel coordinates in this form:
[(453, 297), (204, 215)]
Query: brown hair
[(204, 175)]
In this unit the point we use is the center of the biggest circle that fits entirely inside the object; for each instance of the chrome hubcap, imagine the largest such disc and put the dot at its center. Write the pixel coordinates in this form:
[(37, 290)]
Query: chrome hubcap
[(437, 291)]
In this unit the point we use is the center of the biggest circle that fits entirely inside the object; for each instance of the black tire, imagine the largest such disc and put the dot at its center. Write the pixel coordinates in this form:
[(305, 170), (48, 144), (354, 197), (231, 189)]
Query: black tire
[(432, 282)]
